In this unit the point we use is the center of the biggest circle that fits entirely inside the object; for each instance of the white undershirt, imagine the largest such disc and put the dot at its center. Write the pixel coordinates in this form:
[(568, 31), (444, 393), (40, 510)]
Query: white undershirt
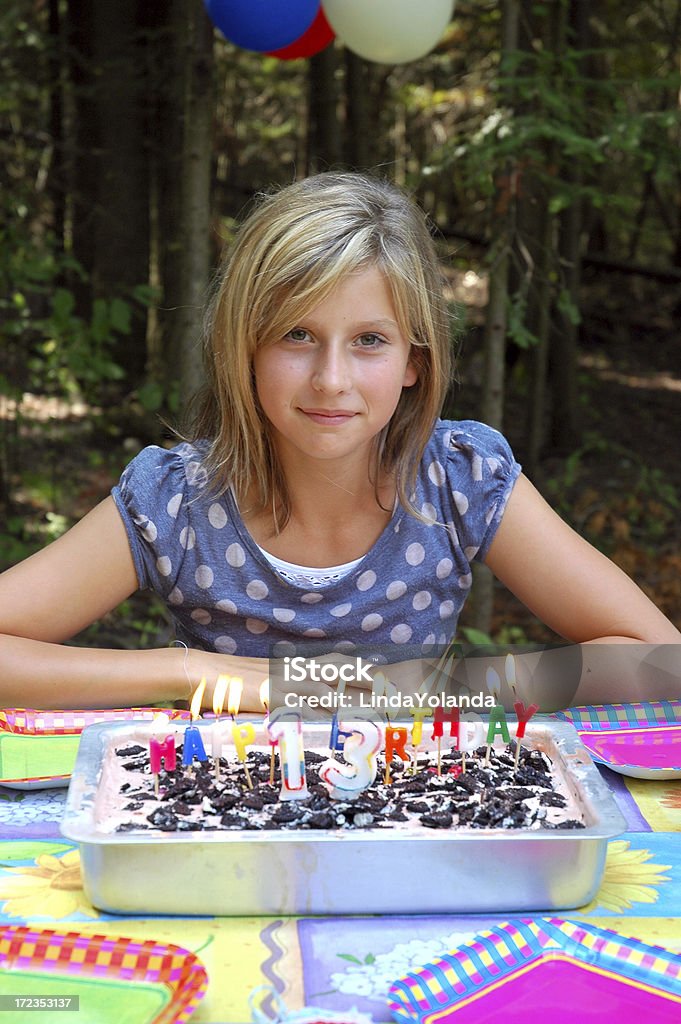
[(307, 574)]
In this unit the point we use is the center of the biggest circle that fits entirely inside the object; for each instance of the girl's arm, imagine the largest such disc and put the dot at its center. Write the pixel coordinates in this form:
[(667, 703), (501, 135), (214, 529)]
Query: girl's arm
[(60, 590), (573, 588), (586, 598)]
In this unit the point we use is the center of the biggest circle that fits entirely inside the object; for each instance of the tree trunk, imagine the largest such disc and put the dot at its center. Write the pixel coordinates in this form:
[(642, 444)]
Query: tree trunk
[(537, 228), (358, 148), (57, 179), (324, 134), (565, 424), (109, 160), (182, 165), (539, 245), (492, 395), (82, 146)]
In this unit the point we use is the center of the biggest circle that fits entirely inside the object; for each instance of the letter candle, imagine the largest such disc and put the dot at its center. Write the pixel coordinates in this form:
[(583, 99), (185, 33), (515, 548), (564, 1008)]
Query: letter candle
[(524, 715), (287, 731), (193, 744), (242, 735), (417, 732), (218, 732), (337, 738), (346, 781), (497, 718), (471, 732), (395, 742), (454, 726), (437, 733), (161, 750)]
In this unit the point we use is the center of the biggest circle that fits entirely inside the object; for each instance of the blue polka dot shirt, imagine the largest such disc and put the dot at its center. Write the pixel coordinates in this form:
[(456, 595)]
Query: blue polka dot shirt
[(403, 597)]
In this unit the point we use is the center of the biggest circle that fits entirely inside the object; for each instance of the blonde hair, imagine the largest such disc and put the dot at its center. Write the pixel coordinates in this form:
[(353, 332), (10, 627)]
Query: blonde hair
[(288, 256)]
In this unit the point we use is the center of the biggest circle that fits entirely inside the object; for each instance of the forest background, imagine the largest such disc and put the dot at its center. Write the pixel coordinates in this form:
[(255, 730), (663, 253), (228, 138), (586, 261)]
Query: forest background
[(542, 139)]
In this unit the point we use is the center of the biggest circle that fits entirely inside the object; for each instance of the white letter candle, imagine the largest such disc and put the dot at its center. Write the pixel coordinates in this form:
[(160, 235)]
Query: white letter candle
[(346, 781), (287, 731), (471, 732)]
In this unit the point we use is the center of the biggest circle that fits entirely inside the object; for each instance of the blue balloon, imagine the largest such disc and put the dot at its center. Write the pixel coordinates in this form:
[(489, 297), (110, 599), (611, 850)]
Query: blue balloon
[(262, 25)]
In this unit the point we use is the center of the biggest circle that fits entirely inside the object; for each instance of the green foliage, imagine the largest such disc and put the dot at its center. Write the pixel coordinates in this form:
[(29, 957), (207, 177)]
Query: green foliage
[(74, 355), (506, 636), (138, 623), (644, 510)]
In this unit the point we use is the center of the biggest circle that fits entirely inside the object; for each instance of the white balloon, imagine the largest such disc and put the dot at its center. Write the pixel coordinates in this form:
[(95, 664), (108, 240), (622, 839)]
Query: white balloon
[(389, 31)]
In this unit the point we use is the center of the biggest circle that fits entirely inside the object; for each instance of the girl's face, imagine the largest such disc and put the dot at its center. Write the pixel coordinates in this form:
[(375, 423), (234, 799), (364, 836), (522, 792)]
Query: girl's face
[(333, 382)]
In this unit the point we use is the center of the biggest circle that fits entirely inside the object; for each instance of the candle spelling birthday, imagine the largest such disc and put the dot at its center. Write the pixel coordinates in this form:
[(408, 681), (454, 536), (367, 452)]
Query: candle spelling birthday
[(497, 716), (395, 742), (524, 713)]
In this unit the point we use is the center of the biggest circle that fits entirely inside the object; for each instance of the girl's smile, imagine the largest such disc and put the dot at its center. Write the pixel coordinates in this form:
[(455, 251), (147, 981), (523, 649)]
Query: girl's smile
[(331, 384)]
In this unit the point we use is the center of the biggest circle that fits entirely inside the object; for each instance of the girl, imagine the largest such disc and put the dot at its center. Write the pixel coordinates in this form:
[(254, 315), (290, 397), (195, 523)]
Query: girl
[(318, 503)]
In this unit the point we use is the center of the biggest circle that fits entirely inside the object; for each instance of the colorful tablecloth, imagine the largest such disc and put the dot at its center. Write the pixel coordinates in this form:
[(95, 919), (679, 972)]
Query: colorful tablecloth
[(340, 962)]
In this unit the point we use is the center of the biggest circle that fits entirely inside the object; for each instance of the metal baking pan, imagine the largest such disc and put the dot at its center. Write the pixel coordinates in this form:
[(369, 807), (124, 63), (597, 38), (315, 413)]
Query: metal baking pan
[(372, 871)]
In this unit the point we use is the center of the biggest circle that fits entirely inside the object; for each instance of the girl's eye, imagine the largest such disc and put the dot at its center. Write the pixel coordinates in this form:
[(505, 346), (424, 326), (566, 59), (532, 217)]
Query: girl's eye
[(370, 341), (297, 334)]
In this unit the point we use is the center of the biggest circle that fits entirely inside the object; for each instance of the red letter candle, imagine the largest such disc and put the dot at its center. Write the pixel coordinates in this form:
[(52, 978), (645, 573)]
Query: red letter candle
[(524, 715)]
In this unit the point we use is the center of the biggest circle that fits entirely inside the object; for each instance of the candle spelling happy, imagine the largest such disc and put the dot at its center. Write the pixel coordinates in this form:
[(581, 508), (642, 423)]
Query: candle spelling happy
[(192, 746), (161, 748), (242, 734)]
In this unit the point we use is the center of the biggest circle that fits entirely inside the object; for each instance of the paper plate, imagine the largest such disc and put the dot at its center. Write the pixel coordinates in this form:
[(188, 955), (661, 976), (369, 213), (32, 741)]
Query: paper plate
[(531, 972), (652, 752), (114, 979), (38, 748), (626, 716)]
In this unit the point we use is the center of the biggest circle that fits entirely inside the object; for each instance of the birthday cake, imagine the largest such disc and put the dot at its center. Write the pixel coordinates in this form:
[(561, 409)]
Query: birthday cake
[(433, 791)]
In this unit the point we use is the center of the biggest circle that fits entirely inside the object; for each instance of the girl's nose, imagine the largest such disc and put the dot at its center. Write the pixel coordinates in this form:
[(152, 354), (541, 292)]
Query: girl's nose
[(331, 372)]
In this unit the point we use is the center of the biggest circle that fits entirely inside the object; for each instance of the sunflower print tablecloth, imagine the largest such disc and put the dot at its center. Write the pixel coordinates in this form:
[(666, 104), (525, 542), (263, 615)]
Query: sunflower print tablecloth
[(342, 962)]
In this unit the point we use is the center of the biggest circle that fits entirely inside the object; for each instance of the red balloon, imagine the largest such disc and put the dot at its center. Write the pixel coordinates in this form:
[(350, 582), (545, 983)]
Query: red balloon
[(316, 38)]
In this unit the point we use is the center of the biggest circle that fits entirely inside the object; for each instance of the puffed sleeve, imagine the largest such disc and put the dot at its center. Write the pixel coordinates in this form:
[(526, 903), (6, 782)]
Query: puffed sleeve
[(153, 497), (481, 471)]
